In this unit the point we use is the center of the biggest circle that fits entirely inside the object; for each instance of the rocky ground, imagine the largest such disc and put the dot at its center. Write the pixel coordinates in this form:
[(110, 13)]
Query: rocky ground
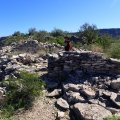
[(43, 109), (76, 98)]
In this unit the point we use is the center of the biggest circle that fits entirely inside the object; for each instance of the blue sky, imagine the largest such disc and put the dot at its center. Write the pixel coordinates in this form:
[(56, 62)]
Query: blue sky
[(68, 15)]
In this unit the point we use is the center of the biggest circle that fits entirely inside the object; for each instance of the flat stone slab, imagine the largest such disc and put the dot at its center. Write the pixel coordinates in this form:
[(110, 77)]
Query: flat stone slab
[(62, 103), (84, 111)]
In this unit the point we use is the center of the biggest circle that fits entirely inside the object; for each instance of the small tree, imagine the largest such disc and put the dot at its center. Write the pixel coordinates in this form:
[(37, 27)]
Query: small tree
[(88, 33), (40, 36), (17, 33), (104, 41), (57, 32), (32, 31)]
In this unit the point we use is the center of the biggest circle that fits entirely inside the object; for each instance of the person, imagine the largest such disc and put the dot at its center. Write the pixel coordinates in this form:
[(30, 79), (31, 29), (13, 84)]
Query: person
[(68, 45)]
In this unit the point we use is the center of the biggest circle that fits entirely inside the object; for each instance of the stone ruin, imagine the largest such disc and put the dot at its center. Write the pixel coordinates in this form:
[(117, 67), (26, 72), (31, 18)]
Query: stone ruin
[(85, 62), (88, 84)]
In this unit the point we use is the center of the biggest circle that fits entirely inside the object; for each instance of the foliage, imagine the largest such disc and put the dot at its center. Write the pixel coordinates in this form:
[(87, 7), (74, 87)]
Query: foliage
[(89, 38), (104, 41), (17, 33), (32, 31), (95, 48), (59, 32), (77, 45), (88, 33), (14, 38), (114, 117), (40, 36), (114, 50), (21, 92), (58, 40)]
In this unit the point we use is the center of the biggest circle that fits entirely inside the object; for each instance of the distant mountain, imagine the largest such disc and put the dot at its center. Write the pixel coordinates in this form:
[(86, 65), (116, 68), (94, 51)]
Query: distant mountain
[(114, 32)]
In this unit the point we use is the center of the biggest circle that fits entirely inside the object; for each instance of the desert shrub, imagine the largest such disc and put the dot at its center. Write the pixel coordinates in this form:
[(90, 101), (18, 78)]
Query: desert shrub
[(77, 45), (114, 117), (57, 32), (12, 39), (32, 31), (21, 92), (88, 33), (58, 40), (95, 48), (104, 41), (114, 50), (40, 36)]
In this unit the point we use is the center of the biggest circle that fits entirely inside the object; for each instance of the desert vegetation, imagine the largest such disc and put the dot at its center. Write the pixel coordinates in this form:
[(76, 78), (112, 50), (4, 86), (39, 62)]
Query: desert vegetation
[(21, 93), (89, 37), (22, 89)]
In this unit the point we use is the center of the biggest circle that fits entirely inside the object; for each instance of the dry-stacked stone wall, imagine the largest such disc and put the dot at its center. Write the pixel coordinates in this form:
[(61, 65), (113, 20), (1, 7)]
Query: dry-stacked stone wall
[(84, 62)]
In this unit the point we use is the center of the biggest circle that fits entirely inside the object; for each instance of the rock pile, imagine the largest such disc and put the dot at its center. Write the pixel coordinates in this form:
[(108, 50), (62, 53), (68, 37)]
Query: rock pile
[(10, 65), (32, 46), (89, 84)]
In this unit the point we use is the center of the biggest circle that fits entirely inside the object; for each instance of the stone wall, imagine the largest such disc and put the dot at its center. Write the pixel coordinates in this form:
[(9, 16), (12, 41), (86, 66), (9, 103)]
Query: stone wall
[(83, 62)]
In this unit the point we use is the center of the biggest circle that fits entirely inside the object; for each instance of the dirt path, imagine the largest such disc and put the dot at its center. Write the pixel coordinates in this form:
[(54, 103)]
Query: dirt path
[(43, 109)]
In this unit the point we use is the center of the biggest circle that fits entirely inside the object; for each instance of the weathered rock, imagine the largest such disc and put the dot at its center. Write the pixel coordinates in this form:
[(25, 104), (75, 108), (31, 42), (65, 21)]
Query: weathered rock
[(113, 110), (31, 46), (2, 93), (88, 92), (115, 99), (85, 62), (93, 101), (55, 93), (60, 114), (74, 97), (26, 58), (107, 93), (90, 111), (115, 84), (72, 87), (62, 103)]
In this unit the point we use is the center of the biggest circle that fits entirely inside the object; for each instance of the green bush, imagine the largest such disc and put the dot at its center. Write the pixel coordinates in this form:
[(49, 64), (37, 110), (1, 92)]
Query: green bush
[(13, 38), (88, 33), (58, 40), (104, 41), (114, 117), (114, 50), (21, 92)]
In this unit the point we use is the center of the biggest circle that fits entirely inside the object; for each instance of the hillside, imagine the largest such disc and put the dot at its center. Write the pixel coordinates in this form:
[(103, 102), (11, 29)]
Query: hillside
[(71, 83), (114, 32)]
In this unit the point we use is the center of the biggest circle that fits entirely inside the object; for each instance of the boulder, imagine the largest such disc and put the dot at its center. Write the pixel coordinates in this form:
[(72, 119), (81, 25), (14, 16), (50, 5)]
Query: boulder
[(72, 87), (62, 103), (60, 114), (2, 93), (84, 111), (115, 84), (74, 97), (113, 110), (55, 93), (115, 98), (88, 92)]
